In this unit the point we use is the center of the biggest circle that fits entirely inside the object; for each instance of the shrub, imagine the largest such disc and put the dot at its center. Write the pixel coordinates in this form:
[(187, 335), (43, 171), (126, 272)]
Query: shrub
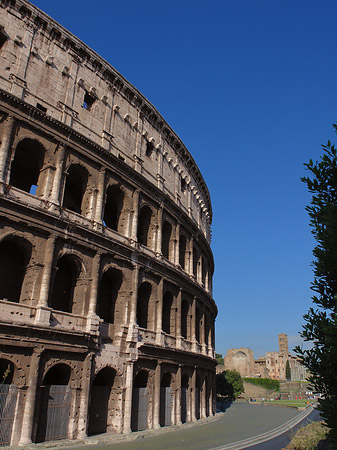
[(267, 383)]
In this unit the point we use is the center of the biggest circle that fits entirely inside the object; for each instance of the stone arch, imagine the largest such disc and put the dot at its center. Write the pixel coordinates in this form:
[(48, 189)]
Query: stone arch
[(67, 272), (7, 371), (75, 187), (54, 396), (8, 397), (102, 385), (198, 321), (27, 164), (143, 299), (198, 392), (114, 202), (19, 375), (109, 286), (167, 244), (140, 401), (182, 251), (144, 236), (166, 312), (15, 254)]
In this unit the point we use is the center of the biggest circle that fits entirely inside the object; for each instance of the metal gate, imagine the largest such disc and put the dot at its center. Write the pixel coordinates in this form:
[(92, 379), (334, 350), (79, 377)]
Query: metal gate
[(139, 409), (165, 406), (184, 405), (98, 412), (54, 413), (8, 399)]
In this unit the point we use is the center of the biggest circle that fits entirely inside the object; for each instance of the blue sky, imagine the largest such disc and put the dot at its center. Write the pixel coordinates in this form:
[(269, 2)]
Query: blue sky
[(250, 86)]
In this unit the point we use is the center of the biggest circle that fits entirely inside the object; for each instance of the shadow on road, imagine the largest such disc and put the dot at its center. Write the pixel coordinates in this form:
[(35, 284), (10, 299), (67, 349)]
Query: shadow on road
[(223, 406)]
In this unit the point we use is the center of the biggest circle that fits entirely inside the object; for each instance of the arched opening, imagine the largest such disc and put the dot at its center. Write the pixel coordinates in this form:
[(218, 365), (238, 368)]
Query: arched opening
[(62, 295), (166, 312), (26, 165), (76, 184), (139, 401), (184, 397), (144, 294), (8, 399), (166, 240), (113, 207), (203, 271), (184, 318), (207, 397), (165, 412), (107, 294), (99, 400), (54, 404), (197, 397), (182, 251), (197, 324), (144, 221), (207, 329), (13, 262)]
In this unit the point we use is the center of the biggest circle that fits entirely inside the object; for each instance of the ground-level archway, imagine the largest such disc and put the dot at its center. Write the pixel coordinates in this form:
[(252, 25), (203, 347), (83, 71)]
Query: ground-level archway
[(140, 401), (8, 399), (165, 400)]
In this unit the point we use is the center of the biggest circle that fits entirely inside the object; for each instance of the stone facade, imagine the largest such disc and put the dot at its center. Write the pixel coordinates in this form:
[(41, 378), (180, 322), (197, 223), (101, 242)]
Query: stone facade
[(105, 261), (241, 360)]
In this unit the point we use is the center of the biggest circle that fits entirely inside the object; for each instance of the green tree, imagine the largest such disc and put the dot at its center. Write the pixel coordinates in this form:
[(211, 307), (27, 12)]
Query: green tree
[(219, 358), (288, 372), (321, 320), (229, 384)]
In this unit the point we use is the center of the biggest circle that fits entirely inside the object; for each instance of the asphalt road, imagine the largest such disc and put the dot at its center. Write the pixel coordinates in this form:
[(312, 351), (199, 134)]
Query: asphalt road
[(240, 421)]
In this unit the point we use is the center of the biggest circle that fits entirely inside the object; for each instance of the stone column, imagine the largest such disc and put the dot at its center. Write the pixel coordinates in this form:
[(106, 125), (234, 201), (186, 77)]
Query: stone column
[(84, 402), (177, 242), (93, 319), (29, 408), (193, 316), (156, 396), (133, 306), (194, 387), (55, 192), (178, 397), (159, 231), (5, 148), (203, 399), (178, 319), (159, 311), (134, 220), (100, 196), (43, 311), (190, 271), (128, 397)]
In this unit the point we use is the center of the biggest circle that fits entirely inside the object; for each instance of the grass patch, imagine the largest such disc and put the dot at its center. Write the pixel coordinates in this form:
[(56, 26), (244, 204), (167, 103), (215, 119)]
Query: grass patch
[(308, 437), (293, 402)]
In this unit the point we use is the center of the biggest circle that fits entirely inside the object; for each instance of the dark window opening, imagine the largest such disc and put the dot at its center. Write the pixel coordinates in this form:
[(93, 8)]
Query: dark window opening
[(12, 271), (182, 251), (105, 377), (26, 165), (59, 375), (141, 379), (149, 149), (197, 325), (166, 380), (107, 296), (166, 239), (65, 281), (41, 108), (204, 270), (195, 262), (88, 101), (166, 312), (183, 185), (144, 221), (3, 39), (144, 293), (113, 207), (184, 318), (75, 187)]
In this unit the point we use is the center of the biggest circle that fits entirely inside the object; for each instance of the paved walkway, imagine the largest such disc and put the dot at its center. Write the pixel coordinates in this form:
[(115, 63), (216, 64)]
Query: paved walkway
[(240, 421)]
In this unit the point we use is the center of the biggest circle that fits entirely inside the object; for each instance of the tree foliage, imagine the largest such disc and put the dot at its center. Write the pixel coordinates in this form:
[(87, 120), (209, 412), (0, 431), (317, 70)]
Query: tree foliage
[(321, 320), (288, 371), (219, 358), (229, 384), (267, 383)]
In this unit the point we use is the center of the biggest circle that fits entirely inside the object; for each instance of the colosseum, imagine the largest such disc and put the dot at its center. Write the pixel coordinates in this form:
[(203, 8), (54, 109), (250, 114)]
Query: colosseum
[(107, 315)]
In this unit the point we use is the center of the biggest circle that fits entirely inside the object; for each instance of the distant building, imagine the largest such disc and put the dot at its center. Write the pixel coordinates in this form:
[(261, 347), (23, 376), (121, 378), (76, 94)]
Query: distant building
[(273, 365)]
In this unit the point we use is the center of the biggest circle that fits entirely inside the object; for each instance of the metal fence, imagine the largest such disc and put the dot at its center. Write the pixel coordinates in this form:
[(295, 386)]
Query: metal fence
[(8, 399)]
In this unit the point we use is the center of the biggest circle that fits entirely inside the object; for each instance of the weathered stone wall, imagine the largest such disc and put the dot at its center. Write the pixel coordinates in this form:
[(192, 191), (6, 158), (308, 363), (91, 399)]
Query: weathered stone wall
[(105, 260)]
